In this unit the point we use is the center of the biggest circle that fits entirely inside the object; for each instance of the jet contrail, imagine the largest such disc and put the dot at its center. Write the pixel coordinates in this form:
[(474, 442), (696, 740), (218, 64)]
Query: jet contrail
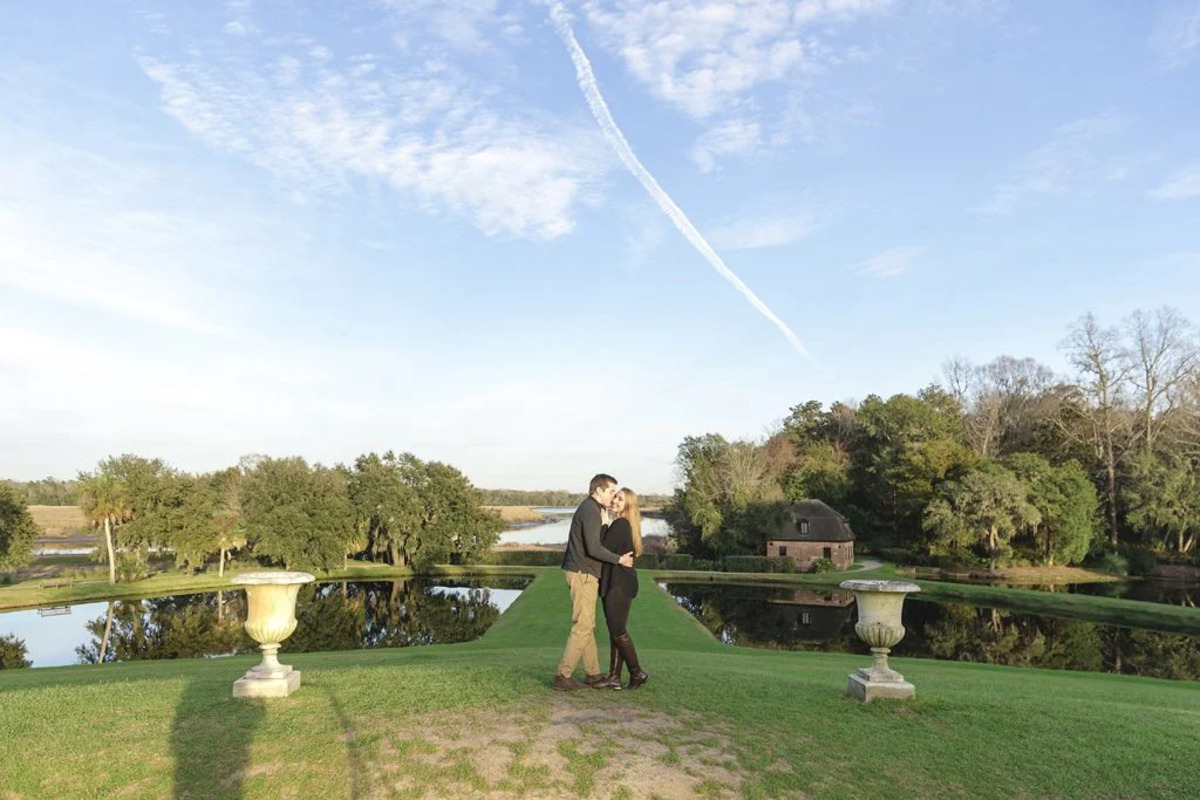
[(587, 83)]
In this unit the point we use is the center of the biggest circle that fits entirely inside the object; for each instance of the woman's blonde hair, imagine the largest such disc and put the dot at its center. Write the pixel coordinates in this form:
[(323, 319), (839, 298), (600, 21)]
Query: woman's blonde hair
[(634, 514)]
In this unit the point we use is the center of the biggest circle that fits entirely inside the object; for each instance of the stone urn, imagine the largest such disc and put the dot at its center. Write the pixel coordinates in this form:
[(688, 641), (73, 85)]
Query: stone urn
[(270, 618), (879, 625)]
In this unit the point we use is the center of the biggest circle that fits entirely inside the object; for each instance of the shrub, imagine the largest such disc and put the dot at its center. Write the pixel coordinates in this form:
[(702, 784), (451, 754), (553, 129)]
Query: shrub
[(1141, 560), (130, 568), (1114, 564), (703, 564), (646, 561), (897, 555), (6, 579), (677, 561), (747, 564), (781, 564), (526, 558), (13, 653), (822, 565)]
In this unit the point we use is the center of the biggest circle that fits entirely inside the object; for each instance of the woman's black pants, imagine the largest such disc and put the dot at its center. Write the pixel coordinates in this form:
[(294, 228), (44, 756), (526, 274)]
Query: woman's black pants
[(616, 612)]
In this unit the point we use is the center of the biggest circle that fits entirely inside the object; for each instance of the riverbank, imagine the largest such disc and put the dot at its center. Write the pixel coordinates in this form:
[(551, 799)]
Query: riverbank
[(1028, 575), (478, 720), (516, 515)]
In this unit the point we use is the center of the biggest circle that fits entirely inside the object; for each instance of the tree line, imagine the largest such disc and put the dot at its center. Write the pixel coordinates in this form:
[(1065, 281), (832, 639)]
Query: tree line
[(54, 492), (554, 498), (46, 492), (284, 512), (995, 463)]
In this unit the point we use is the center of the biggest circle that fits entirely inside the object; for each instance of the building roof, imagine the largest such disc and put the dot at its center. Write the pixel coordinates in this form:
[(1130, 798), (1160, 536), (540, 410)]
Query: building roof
[(824, 524)]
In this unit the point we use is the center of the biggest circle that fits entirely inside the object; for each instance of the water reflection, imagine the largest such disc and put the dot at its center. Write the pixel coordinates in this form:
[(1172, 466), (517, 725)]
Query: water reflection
[(823, 621), (331, 616)]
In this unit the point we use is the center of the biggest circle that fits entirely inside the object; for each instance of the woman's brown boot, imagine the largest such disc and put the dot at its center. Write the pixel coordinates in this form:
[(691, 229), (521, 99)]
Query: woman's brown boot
[(637, 676), (613, 679)]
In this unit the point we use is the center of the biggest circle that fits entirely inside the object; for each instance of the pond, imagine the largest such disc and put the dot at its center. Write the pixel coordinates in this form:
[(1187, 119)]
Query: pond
[(555, 531), (332, 616), (823, 620)]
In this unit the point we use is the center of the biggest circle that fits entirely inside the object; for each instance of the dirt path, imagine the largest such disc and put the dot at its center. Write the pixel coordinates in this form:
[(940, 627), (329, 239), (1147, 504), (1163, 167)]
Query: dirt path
[(580, 744)]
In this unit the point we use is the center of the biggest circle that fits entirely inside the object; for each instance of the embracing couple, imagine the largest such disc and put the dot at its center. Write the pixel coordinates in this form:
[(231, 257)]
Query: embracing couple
[(606, 523)]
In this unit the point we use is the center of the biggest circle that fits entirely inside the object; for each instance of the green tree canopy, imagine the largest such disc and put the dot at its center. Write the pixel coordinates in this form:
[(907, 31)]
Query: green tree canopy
[(417, 512), (1163, 499), (1067, 505), (983, 510), (295, 515), (18, 532), (731, 498)]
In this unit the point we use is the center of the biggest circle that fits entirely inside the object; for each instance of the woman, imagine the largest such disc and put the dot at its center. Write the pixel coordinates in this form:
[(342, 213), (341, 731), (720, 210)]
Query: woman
[(618, 587)]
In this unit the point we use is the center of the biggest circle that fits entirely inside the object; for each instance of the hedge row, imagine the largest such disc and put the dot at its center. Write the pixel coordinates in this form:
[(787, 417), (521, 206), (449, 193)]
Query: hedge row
[(526, 558), (672, 561)]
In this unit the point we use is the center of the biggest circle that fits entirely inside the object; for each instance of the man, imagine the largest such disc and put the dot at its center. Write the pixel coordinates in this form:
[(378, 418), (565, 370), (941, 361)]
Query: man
[(581, 566)]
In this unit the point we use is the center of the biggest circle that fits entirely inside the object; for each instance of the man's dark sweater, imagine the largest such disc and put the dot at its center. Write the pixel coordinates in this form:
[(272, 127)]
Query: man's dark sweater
[(584, 552)]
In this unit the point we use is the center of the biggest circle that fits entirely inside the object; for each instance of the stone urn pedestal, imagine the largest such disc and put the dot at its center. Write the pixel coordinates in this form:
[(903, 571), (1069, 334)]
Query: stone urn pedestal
[(879, 625), (270, 618)]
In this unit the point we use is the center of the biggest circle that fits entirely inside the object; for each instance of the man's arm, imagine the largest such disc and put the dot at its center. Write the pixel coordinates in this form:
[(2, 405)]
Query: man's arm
[(592, 525)]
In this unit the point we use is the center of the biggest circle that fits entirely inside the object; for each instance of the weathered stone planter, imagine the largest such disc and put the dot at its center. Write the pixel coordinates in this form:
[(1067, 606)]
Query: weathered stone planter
[(879, 625), (270, 618)]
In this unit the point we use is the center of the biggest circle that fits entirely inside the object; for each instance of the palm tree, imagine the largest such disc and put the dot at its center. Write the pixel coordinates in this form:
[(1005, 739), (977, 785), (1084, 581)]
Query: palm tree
[(104, 499)]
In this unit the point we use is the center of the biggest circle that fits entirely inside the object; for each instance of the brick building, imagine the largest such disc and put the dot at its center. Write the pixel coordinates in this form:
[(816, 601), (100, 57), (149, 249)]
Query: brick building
[(814, 530)]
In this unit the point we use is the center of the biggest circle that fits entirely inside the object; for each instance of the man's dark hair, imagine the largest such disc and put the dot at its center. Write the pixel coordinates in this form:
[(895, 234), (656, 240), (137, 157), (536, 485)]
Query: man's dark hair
[(601, 481)]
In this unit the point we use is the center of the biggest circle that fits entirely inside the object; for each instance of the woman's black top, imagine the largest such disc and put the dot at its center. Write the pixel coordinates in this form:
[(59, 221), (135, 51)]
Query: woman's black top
[(618, 537)]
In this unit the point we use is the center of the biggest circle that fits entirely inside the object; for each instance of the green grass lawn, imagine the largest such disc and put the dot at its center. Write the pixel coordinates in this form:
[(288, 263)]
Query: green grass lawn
[(478, 720)]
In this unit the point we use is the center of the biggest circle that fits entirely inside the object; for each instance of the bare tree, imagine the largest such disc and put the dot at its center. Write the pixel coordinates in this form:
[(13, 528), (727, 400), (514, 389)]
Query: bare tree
[(1163, 360), (1103, 368), (999, 401)]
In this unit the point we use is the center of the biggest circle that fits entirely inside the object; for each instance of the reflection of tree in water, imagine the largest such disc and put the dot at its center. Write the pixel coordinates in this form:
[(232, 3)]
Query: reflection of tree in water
[(330, 616), (180, 626), (405, 613), (1153, 654), (773, 618), (992, 636)]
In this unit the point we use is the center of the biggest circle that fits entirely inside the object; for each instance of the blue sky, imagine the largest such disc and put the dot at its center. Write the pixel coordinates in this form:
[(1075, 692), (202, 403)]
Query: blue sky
[(323, 229)]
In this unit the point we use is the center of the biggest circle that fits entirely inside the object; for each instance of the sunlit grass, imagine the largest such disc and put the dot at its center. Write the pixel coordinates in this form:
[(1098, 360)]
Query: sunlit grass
[(754, 723)]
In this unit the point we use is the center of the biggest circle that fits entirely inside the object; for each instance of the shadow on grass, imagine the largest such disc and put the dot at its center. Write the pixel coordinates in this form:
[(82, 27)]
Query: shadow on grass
[(355, 749), (211, 738)]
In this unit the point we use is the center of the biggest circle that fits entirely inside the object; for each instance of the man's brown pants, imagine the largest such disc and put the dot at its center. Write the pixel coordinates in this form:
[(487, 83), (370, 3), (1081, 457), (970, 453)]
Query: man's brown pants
[(582, 641)]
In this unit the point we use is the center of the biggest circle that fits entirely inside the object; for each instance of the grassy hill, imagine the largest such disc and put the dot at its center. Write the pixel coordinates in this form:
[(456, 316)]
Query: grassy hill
[(478, 720)]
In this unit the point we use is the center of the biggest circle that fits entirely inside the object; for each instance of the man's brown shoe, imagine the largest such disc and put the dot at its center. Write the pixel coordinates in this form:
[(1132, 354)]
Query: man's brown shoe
[(562, 684), (592, 680)]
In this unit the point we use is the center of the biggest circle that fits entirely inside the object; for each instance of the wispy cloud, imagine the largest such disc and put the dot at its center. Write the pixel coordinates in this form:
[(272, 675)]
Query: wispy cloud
[(318, 124), (891, 264), (1184, 183), (712, 60), (1175, 39), (241, 21), (473, 26), (703, 58), (764, 229), (1070, 158), (587, 83), (733, 137)]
